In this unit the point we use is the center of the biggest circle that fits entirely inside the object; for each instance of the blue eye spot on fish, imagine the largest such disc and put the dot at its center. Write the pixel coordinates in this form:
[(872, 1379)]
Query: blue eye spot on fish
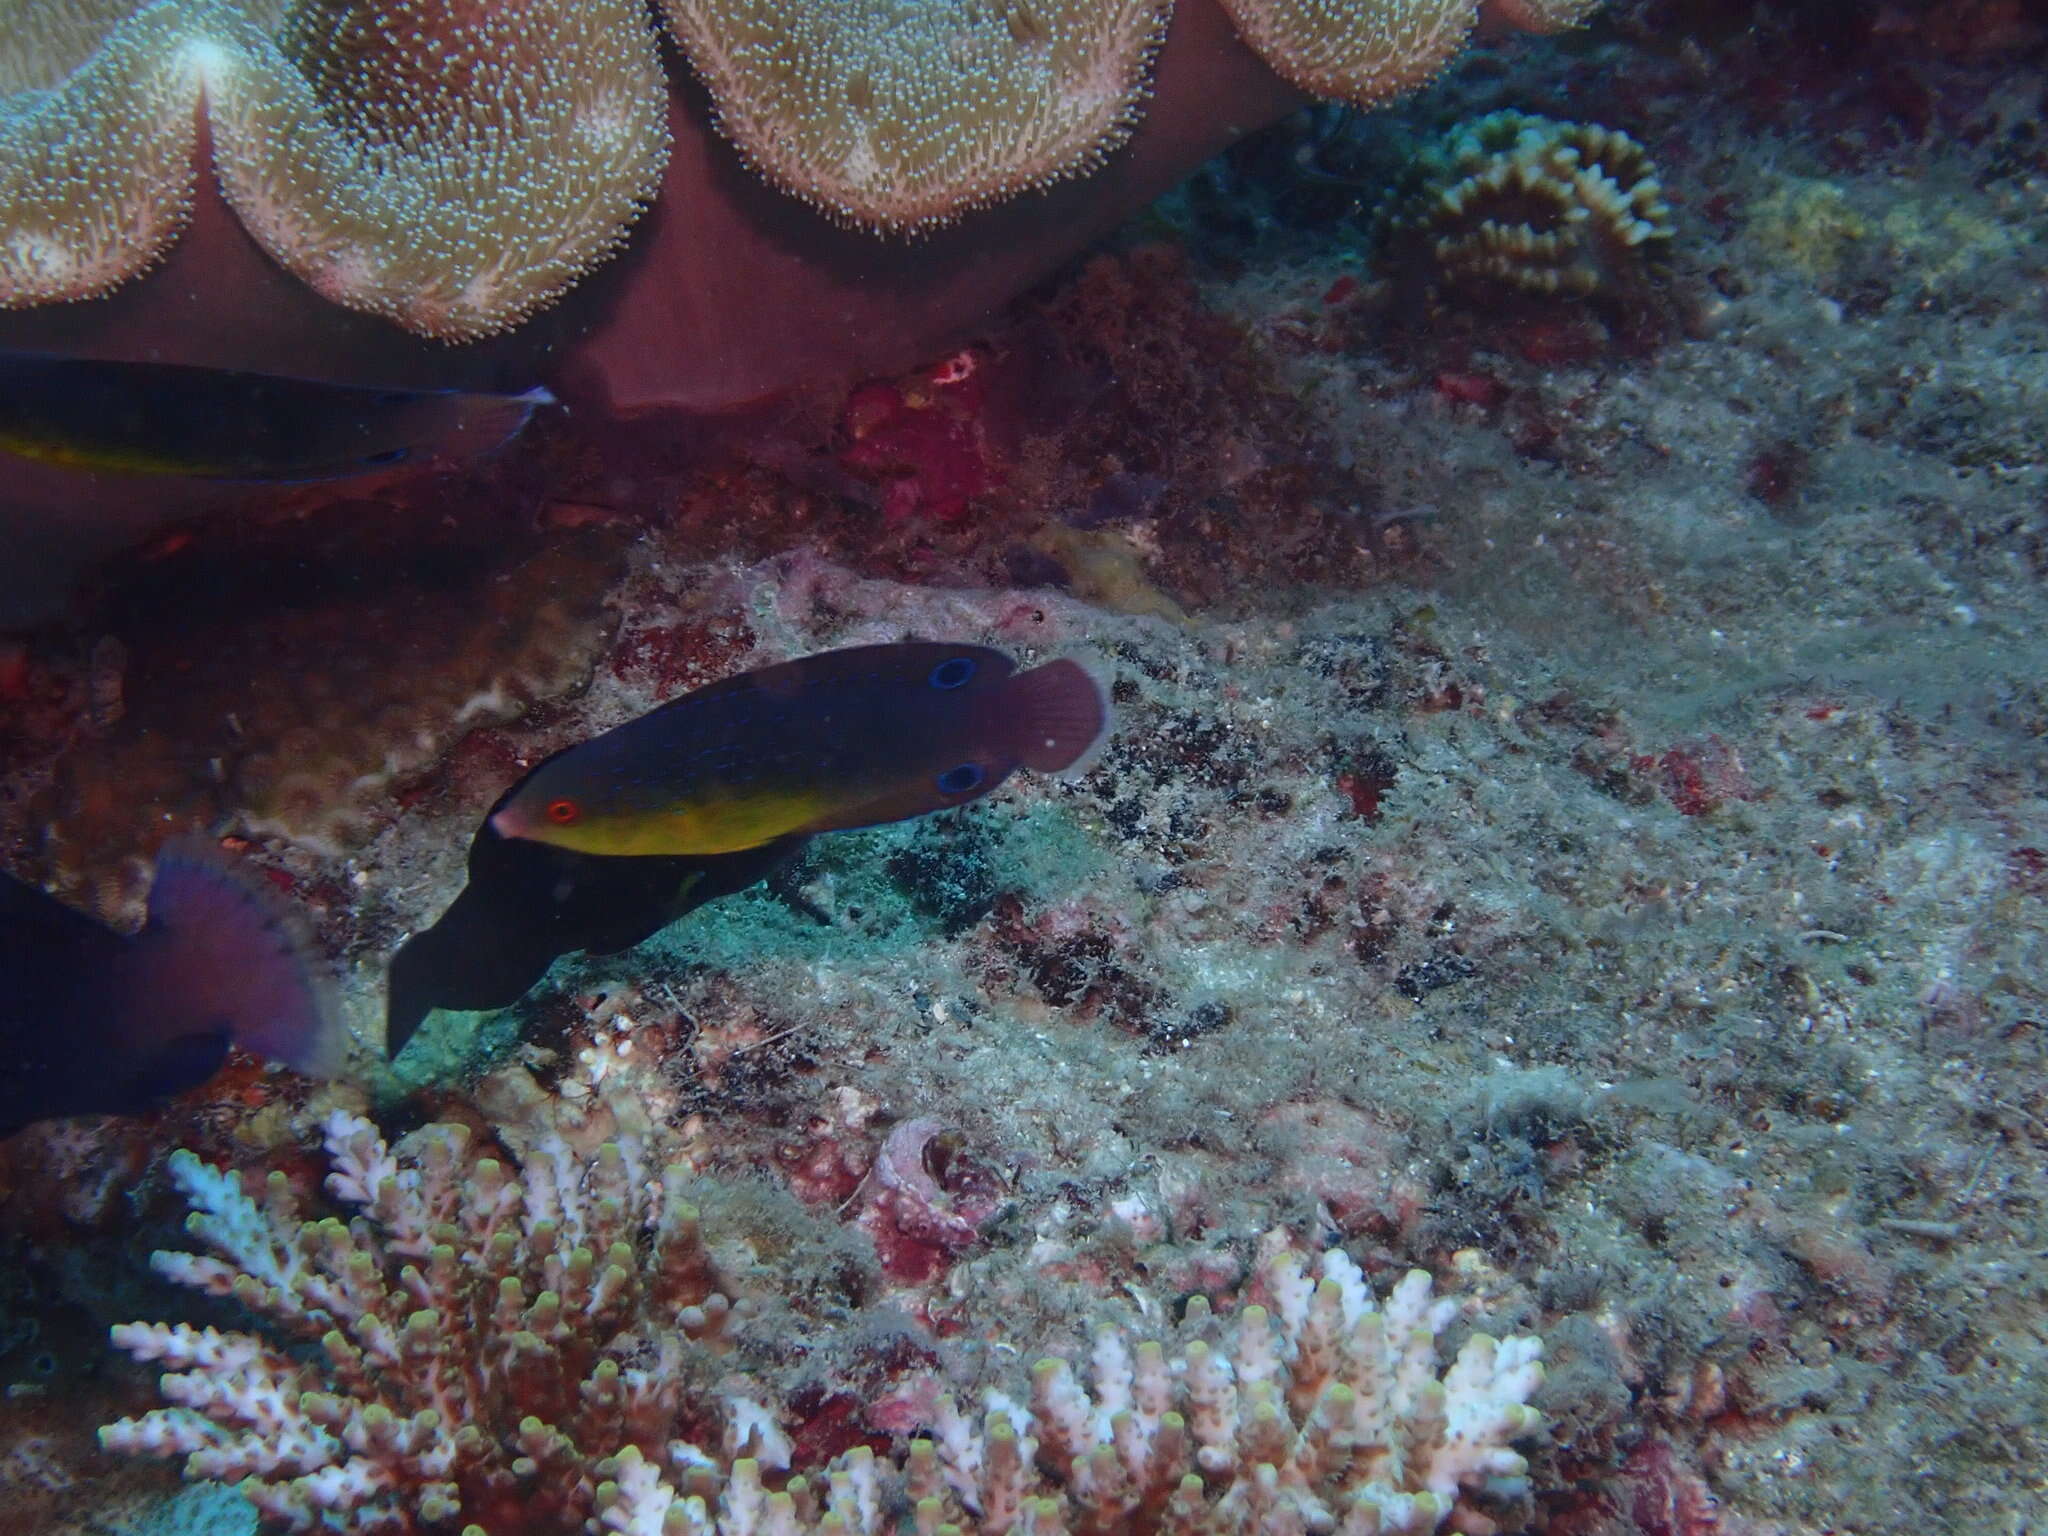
[(169, 420), (611, 840), (99, 1022)]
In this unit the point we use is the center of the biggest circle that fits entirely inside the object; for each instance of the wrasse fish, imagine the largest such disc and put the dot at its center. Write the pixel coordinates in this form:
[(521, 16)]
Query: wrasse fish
[(98, 1022), (849, 738), (611, 840), (165, 419)]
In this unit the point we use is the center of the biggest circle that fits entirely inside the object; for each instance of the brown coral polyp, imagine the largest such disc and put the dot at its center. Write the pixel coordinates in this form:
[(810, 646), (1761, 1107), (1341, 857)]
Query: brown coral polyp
[(360, 695)]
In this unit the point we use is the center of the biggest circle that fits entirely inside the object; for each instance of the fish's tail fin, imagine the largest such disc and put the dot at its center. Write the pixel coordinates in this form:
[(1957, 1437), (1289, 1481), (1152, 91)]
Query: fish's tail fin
[(222, 947), (486, 423), (1057, 715)]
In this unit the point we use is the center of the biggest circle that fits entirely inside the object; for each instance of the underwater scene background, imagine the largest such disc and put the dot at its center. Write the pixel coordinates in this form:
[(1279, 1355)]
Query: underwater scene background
[(1530, 1019)]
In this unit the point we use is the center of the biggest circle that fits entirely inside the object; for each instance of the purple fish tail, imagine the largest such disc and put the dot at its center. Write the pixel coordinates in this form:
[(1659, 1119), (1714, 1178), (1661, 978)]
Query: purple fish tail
[(223, 949)]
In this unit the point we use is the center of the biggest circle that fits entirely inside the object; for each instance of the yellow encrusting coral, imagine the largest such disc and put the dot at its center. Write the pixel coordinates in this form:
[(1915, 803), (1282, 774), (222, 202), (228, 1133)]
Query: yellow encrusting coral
[(896, 116), (1808, 224)]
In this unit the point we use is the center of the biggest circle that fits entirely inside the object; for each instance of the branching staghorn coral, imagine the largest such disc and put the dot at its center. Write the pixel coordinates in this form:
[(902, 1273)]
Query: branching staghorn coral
[(486, 1335), (1321, 1413), (522, 1351), (455, 166)]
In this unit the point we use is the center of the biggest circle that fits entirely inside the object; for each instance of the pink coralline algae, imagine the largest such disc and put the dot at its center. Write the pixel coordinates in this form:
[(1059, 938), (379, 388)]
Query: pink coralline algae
[(1700, 776), (921, 438), (926, 1201)]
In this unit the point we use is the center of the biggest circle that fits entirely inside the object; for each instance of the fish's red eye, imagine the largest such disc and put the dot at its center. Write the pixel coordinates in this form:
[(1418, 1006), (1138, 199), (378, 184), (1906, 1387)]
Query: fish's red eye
[(563, 812)]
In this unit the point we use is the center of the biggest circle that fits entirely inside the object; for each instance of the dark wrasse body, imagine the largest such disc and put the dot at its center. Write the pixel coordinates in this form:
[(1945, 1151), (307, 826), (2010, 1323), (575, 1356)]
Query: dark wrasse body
[(611, 840), (164, 419), (97, 1022), (527, 904), (97, 456)]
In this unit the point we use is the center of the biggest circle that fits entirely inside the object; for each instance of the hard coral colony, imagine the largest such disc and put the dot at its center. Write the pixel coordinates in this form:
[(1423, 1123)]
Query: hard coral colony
[(1370, 973), (525, 1348)]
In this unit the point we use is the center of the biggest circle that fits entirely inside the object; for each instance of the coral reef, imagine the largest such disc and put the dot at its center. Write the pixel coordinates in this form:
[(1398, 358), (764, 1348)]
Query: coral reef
[(454, 167), (511, 1348), (296, 715), (1580, 804), (897, 117), (1515, 204)]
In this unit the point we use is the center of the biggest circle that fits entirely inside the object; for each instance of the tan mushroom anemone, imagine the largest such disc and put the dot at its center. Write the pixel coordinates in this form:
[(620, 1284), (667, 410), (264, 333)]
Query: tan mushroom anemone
[(454, 165), (449, 165), (97, 131), (898, 116)]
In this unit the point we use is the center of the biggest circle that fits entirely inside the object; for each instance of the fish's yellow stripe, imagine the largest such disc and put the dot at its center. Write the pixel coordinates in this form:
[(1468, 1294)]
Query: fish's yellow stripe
[(87, 456), (729, 825)]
